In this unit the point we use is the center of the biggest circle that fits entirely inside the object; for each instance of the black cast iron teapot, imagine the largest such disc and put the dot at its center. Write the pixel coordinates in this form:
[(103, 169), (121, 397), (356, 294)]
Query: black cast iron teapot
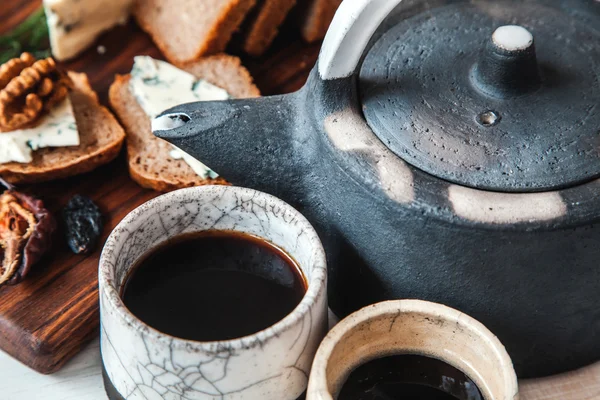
[(451, 154)]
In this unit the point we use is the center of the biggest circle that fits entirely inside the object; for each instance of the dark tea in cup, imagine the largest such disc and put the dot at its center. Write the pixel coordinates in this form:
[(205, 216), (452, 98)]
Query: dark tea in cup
[(214, 285), (408, 377)]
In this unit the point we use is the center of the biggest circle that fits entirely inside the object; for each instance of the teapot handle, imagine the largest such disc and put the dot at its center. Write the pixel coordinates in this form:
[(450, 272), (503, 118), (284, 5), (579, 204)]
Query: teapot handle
[(354, 24)]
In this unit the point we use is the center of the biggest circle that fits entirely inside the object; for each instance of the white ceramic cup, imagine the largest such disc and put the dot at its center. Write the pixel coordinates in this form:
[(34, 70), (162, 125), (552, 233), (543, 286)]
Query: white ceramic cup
[(413, 327), (143, 363)]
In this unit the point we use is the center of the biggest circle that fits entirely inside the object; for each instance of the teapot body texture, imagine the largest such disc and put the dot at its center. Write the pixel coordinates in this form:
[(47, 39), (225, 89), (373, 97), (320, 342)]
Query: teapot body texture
[(525, 264)]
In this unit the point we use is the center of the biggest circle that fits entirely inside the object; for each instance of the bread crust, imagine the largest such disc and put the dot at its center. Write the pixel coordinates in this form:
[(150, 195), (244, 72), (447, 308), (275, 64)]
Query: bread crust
[(101, 136), (265, 24), (316, 17), (212, 42)]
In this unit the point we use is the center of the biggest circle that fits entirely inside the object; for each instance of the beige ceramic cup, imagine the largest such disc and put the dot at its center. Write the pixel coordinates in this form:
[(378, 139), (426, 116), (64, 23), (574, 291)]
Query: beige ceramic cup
[(413, 327)]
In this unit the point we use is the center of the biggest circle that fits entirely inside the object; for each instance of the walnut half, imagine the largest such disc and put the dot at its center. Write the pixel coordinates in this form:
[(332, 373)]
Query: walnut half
[(29, 88), (26, 228)]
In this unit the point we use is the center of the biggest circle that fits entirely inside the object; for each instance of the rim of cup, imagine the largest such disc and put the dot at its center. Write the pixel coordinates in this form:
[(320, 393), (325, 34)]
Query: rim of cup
[(319, 386), (315, 285)]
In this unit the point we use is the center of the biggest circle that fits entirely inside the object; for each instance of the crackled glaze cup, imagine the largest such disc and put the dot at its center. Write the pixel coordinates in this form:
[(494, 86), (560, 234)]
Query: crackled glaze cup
[(413, 327), (143, 363)]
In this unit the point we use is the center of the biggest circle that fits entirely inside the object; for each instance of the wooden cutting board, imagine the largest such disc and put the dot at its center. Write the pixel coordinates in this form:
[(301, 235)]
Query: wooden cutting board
[(49, 317)]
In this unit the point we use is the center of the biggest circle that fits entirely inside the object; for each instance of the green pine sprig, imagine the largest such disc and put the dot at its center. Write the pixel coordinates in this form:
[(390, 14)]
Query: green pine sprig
[(31, 36)]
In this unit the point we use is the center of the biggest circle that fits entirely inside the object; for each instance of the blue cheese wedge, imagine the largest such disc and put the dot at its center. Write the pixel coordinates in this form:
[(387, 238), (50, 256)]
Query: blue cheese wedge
[(73, 25), (158, 86), (56, 129)]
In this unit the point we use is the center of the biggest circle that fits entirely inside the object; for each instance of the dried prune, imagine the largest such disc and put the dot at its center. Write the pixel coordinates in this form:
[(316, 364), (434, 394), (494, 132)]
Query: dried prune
[(83, 222), (26, 229)]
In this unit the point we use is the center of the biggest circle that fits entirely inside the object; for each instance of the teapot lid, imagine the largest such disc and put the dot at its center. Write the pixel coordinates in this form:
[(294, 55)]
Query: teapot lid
[(496, 96)]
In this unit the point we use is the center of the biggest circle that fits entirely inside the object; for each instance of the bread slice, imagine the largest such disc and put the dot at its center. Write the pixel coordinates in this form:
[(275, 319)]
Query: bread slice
[(185, 30), (315, 17), (100, 135), (263, 25), (148, 156)]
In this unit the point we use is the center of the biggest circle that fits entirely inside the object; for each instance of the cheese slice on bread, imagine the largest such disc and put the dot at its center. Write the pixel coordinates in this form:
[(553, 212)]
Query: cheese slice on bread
[(100, 140), (73, 25), (151, 161)]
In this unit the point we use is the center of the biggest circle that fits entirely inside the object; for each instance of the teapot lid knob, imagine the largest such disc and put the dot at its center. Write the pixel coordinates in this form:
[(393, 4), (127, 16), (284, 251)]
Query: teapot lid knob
[(508, 66), (463, 93)]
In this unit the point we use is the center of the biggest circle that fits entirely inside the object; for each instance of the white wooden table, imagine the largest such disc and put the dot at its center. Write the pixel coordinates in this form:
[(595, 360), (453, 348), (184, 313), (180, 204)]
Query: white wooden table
[(81, 379)]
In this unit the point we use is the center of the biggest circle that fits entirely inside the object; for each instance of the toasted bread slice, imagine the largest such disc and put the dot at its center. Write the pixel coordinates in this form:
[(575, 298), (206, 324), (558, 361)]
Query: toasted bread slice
[(185, 30), (150, 164), (100, 135), (315, 17), (263, 25)]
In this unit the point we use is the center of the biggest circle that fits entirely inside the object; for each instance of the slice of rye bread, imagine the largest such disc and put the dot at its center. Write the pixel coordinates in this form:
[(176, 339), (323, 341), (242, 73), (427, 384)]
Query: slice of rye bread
[(185, 30), (150, 164), (263, 25), (315, 17), (101, 138)]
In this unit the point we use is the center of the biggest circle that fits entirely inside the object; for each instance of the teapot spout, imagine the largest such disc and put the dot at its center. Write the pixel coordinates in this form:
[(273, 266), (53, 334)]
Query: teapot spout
[(249, 142)]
